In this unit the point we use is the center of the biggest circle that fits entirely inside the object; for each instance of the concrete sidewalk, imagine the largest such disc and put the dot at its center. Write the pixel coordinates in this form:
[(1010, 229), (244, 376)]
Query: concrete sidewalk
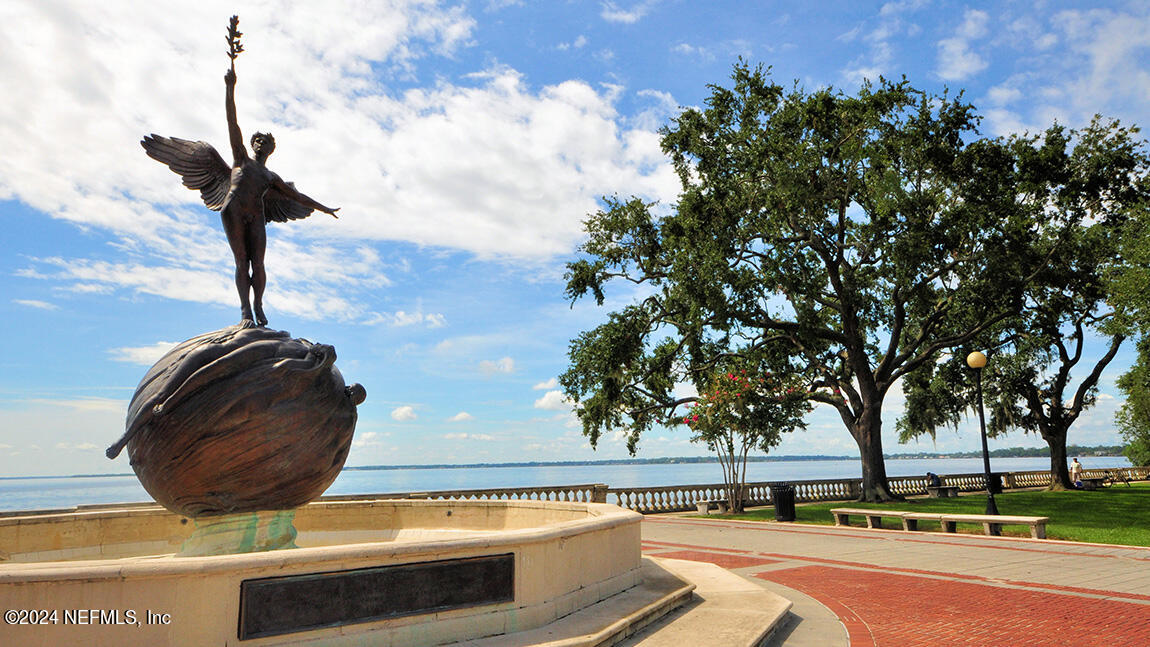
[(890, 588)]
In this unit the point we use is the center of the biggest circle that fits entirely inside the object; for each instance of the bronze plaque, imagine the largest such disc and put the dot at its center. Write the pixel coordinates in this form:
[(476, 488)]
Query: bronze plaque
[(278, 605)]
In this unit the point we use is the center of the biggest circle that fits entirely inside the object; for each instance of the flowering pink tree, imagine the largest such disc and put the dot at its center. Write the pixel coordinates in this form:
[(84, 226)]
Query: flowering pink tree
[(736, 412)]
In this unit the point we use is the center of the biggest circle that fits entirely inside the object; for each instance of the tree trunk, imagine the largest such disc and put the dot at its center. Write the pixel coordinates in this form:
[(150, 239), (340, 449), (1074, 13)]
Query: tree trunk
[(867, 432), (736, 497), (731, 482), (1055, 437)]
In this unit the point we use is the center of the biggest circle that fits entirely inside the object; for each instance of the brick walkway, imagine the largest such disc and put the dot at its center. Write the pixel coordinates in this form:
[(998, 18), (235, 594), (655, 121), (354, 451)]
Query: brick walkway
[(897, 589)]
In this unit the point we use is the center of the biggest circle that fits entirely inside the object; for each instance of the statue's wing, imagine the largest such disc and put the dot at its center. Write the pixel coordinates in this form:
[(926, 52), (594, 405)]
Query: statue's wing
[(200, 166), (278, 207)]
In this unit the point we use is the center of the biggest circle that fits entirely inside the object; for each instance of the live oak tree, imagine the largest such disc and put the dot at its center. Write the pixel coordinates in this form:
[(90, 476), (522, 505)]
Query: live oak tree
[(1040, 377), (849, 229)]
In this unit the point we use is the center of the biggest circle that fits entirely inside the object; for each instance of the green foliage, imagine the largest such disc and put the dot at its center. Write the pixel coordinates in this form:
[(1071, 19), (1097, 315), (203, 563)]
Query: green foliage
[(846, 239), (1133, 417), (1128, 279)]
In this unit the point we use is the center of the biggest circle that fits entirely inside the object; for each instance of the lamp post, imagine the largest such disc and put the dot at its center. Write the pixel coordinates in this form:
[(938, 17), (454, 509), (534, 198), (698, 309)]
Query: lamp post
[(977, 360)]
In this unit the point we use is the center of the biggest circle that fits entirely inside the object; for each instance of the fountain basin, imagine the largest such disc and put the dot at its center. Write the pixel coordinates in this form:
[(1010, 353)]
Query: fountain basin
[(390, 572)]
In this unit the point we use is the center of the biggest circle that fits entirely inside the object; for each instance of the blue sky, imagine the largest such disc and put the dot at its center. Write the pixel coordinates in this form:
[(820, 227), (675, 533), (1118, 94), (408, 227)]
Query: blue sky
[(464, 142)]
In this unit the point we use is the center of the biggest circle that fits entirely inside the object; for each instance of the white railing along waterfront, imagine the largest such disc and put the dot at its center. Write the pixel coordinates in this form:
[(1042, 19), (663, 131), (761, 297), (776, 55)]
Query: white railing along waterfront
[(587, 493), (680, 498)]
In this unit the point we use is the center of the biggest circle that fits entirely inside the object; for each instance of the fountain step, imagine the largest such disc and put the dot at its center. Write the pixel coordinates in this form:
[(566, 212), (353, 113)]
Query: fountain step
[(727, 610), (678, 603)]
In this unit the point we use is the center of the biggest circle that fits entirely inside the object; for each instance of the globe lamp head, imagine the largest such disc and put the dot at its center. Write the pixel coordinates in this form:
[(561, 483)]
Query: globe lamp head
[(976, 360)]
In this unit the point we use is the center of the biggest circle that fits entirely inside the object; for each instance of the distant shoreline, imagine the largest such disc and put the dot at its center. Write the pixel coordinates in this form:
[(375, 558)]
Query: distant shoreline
[(1014, 452)]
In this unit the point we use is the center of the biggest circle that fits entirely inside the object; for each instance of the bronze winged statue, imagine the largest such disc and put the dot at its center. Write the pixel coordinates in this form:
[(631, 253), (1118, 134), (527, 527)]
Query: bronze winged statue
[(247, 194)]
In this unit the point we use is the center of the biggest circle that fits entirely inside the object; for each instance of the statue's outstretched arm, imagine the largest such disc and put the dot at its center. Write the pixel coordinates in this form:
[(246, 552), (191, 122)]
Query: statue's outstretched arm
[(289, 191), (239, 151)]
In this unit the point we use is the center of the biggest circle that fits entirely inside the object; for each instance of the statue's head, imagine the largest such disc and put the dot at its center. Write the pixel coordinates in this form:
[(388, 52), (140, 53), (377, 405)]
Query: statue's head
[(263, 144)]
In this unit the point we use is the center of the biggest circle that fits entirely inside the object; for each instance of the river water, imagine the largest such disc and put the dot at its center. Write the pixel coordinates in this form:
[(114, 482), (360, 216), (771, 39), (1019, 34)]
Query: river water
[(67, 491)]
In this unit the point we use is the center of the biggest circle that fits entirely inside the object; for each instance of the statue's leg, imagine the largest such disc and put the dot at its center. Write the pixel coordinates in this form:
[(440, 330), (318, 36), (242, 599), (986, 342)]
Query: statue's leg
[(234, 229), (257, 245)]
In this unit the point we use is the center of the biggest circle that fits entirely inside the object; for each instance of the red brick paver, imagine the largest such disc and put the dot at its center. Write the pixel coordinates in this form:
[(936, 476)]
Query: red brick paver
[(897, 610), (902, 607), (719, 559)]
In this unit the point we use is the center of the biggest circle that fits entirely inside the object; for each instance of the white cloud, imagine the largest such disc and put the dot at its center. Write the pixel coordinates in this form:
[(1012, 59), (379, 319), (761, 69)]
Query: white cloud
[(871, 65), (503, 365), (496, 5), (699, 52), (612, 12), (466, 436), (84, 447), (905, 6), (142, 355), (90, 404), (1110, 49), (368, 439), (553, 401), (462, 416), (661, 107), (578, 43), (402, 318), (34, 303), (406, 413), (956, 60), (547, 384), (1003, 94)]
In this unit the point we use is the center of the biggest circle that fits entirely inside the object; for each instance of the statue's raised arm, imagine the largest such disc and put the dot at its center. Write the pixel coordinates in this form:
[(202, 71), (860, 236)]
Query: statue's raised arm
[(235, 136)]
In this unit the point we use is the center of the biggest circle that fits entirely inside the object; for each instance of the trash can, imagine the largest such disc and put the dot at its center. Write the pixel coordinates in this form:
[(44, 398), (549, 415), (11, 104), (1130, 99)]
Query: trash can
[(783, 494), (995, 486)]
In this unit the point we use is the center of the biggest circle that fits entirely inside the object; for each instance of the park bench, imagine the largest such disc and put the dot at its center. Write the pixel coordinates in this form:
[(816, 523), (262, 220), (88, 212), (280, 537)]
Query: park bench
[(1093, 483), (704, 506), (941, 491), (948, 522), (873, 517), (1037, 524)]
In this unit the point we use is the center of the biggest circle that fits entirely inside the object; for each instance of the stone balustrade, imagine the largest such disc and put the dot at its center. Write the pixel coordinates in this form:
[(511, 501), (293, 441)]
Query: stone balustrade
[(681, 498), (589, 493)]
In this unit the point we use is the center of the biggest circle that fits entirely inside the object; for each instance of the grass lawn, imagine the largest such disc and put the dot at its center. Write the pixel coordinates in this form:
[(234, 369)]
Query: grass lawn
[(1113, 515)]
